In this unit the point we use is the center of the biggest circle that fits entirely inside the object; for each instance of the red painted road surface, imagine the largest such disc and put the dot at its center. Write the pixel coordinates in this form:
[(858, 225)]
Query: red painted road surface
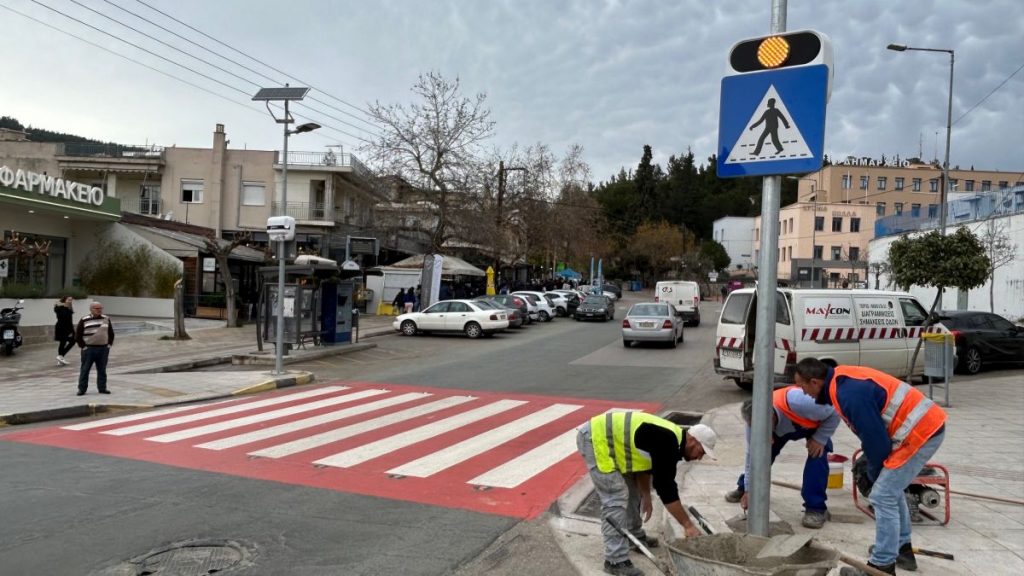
[(504, 454)]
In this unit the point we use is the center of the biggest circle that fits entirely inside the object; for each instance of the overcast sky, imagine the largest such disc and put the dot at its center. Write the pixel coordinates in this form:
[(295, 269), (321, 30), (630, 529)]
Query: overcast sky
[(610, 75)]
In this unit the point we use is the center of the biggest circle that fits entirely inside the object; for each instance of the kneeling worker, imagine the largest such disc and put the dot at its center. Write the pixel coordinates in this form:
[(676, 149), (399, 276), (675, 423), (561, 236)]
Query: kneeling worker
[(795, 416), (627, 452)]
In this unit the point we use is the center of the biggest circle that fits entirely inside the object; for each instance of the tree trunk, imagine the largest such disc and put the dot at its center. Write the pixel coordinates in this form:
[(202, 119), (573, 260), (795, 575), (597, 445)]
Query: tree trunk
[(179, 311), (992, 291), (928, 322), (229, 289)]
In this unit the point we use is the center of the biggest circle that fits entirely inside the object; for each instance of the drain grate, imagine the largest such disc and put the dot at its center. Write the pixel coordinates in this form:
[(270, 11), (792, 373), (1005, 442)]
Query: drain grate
[(193, 558)]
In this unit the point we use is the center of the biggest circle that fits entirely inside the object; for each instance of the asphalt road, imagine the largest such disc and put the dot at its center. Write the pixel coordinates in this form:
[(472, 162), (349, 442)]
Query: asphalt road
[(75, 512)]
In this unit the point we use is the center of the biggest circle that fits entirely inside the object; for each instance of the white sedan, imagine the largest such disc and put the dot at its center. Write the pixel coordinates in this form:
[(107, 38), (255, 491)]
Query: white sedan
[(465, 316)]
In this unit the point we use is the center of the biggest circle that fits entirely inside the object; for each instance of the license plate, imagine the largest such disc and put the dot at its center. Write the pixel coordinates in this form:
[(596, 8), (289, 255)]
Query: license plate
[(730, 353), (8, 334), (647, 324)]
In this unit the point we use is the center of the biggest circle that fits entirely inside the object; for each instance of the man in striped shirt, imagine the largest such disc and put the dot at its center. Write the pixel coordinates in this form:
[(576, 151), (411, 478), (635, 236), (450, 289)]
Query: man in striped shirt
[(94, 335)]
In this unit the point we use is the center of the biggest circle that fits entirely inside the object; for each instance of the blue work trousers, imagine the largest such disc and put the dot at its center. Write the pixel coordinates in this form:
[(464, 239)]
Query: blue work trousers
[(815, 471)]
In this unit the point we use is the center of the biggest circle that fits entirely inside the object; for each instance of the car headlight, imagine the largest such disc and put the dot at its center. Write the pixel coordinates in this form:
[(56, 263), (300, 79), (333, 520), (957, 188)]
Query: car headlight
[(600, 309)]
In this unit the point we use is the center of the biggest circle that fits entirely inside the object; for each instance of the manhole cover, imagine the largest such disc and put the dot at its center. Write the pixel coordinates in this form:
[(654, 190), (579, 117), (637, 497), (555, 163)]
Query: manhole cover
[(194, 558)]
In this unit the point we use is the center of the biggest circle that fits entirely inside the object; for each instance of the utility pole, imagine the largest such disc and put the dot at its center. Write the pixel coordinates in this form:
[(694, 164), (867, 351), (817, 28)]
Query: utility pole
[(499, 221)]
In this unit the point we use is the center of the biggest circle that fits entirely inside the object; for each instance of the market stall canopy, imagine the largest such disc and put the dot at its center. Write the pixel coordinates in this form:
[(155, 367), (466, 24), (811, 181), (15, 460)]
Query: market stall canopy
[(569, 273), (450, 266)]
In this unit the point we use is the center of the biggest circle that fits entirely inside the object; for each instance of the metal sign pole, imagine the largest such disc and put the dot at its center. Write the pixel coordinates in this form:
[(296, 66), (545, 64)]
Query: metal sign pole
[(764, 339), (279, 344)]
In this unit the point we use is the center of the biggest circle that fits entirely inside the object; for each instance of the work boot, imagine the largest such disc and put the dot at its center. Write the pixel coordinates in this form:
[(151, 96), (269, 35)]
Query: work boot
[(850, 571), (814, 518), (734, 496), (624, 568), (906, 560), (649, 541)]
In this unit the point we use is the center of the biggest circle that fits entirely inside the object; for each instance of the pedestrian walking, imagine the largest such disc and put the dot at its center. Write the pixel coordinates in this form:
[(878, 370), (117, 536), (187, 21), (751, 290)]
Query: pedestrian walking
[(95, 335), (399, 302), (724, 291), (64, 329), (899, 429), (626, 453), (796, 416), (410, 300)]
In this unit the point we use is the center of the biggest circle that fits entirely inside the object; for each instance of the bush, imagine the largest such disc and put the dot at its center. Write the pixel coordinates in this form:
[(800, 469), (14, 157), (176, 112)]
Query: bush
[(114, 269), (16, 290)]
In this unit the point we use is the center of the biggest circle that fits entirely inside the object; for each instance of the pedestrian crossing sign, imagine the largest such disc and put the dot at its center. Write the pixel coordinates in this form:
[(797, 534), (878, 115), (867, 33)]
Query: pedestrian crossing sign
[(772, 122)]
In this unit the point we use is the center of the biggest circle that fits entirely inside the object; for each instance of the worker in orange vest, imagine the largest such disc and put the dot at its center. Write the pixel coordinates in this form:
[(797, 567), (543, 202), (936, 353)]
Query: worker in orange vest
[(796, 416), (899, 430)]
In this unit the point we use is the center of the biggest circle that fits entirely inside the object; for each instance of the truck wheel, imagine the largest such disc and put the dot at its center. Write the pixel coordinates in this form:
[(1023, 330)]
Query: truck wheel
[(972, 361)]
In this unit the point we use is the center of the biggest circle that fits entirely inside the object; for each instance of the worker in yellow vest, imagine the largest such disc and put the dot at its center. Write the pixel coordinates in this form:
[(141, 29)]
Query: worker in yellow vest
[(899, 430), (626, 453)]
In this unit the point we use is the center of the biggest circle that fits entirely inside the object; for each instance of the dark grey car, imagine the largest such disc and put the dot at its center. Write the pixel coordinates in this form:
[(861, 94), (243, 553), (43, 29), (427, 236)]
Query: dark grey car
[(595, 307)]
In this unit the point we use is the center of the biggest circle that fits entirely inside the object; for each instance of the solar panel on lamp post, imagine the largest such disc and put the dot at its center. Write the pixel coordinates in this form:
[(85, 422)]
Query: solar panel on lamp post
[(286, 95)]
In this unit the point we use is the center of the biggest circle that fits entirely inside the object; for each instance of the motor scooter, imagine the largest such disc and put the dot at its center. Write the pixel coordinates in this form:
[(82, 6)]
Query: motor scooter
[(10, 336)]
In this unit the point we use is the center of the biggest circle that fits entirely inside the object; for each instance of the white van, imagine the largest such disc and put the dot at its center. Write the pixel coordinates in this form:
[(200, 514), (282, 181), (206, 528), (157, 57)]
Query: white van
[(873, 328), (684, 297)]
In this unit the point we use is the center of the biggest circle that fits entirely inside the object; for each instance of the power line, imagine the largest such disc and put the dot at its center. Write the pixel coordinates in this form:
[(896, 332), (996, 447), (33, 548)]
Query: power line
[(235, 62), (1001, 84), (194, 29), (164, 58)]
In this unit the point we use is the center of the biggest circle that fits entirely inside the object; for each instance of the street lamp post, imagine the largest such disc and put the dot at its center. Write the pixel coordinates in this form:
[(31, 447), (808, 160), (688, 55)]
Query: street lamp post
[(949, 126), (286, 95)]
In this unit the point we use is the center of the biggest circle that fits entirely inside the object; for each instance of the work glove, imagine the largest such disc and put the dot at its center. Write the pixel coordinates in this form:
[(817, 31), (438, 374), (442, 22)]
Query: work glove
[(861, 477)]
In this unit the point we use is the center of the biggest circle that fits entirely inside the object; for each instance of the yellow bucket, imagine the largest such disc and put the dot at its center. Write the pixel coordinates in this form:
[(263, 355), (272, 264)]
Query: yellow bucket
[(835, 470)]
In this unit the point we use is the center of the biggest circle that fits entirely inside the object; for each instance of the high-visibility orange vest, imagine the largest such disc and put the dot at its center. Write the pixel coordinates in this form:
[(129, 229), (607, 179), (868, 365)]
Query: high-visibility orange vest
[(910, 417), (781, 402)]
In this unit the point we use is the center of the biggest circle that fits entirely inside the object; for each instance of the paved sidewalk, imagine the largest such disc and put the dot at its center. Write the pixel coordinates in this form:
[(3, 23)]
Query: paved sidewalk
[(983, 450), (146, 370)]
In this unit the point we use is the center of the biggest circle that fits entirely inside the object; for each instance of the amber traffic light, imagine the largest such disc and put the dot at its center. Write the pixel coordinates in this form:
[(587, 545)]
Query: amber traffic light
[(776, 51)]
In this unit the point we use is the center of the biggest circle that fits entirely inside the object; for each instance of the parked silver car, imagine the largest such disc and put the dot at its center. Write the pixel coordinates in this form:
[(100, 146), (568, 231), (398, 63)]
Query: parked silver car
[(652, 322)]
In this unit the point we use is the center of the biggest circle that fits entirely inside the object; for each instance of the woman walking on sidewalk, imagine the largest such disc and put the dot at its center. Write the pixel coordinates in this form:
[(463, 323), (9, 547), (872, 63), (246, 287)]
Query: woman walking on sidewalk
[(64, 329)]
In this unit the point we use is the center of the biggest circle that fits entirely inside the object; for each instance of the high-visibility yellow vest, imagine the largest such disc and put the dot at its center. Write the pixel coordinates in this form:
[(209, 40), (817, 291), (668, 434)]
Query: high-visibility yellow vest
[(612, 435)]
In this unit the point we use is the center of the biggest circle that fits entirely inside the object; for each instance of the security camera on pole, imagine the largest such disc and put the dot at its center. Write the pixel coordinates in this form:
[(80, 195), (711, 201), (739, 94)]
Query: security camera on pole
[(771, 123)]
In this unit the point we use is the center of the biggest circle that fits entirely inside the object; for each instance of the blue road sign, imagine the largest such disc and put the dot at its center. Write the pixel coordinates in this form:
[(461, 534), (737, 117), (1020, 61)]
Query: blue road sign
[(772, 122)]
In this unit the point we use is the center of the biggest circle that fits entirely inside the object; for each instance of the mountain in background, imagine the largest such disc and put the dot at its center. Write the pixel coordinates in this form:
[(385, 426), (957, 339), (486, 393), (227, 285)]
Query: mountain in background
[(42, 135)]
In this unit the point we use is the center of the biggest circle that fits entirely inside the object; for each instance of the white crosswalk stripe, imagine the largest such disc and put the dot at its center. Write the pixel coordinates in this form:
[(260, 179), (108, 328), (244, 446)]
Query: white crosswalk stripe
[(323, 438), (224, 411), (408, 438), (264, 416), (289, 427), (527, 465), (457, 453)]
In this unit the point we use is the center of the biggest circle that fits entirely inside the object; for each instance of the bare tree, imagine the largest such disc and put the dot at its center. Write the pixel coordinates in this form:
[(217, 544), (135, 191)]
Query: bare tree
[(1000, 249), (221, 249), (18, 246), (434, 145)]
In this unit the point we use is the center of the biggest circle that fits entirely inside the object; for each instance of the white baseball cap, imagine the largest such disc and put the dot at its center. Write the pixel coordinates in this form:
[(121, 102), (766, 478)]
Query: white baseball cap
[(707, 438)]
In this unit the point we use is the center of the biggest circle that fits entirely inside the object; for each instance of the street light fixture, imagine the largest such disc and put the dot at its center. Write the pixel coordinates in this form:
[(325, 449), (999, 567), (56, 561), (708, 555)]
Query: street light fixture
[(286, 95), (949, 125)]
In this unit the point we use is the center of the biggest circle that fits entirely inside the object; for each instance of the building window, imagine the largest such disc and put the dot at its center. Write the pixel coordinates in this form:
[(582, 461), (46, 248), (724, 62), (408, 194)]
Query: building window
[(149, 199), (1003, 184), (986, 185), (899, 208), (915, 184), (191, 191), (789, 251), (915, 210), (818, 251), (899, 183), (863, 182), (880, 209), (819, 223), (791, 228), (854, 253), (969, 185), (882, 181), (953, 182), (847, 181), (933, 185), (254, 194), (933, 210), (837, 252), (854, 224), (837, 224)]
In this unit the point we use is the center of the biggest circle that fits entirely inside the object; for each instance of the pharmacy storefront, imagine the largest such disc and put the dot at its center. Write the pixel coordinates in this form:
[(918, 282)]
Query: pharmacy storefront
[(38, 208)]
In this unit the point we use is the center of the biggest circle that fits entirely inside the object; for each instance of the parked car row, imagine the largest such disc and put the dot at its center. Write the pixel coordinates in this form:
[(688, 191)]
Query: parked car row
[(482, 316)]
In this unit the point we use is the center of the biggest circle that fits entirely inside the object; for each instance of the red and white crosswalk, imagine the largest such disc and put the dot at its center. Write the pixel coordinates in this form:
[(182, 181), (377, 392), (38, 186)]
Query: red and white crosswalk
[(504, 454)]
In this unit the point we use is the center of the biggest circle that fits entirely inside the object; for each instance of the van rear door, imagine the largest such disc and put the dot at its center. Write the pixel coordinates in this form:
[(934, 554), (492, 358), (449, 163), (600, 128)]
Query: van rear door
[(732, 332)]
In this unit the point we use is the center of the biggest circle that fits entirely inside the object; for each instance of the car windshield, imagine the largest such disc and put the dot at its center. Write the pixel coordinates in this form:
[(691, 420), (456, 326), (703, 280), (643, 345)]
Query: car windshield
[(594, 301), (649, 310), (486, 305)]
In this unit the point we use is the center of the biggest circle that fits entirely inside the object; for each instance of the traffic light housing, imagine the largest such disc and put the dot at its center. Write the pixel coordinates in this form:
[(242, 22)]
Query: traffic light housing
[(783, 50)]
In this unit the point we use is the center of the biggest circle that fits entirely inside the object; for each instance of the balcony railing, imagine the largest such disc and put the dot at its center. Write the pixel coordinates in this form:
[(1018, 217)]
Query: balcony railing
[(307, 211), (144, 206), (88, 150), (326, 159)]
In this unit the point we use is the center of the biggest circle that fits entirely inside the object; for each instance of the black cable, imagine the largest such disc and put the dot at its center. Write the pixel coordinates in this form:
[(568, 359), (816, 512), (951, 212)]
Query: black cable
[(1001, 84)]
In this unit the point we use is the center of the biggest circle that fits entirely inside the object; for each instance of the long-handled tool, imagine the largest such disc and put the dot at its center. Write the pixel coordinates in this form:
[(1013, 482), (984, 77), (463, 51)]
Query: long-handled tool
[(933, 553), (700, 520), (639, 545)]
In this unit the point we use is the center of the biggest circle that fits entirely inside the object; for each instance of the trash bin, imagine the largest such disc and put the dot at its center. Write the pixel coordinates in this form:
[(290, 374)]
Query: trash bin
[(637, 286), (939, 359)]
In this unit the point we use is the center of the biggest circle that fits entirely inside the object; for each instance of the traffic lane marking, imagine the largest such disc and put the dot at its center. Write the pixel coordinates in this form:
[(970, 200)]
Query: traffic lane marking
[(449, 488)]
